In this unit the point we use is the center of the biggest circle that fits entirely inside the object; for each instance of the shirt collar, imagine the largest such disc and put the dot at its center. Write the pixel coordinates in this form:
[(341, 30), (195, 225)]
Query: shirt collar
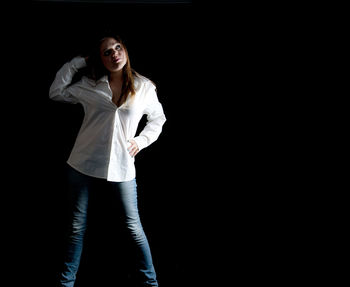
[(102, 79)]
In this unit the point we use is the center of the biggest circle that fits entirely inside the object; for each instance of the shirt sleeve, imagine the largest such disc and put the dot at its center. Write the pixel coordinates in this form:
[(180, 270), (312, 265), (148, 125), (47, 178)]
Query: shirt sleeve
[(155, 120), (60, 89)]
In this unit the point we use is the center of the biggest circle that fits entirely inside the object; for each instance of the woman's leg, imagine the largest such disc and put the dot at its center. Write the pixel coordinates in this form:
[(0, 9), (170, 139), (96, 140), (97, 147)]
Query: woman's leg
[(126, 193), (79, 189)]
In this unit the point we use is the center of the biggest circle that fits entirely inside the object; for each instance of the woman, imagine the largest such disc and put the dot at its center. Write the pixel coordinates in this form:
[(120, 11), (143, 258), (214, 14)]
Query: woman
[(114, 98)]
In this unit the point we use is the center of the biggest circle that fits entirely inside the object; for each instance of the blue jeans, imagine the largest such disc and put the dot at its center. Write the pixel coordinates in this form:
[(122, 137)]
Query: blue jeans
[(126, 193)]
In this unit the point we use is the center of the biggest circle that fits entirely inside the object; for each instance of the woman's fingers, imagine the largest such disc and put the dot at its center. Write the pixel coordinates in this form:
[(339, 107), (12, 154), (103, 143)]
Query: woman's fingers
[(133, 148)]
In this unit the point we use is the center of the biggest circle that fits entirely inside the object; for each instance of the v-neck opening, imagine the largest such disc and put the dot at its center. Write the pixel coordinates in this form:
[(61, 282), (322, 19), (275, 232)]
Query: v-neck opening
[(111, 98)]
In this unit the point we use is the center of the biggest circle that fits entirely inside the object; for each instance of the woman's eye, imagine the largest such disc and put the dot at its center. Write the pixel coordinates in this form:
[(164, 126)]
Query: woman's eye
[(107, 53)]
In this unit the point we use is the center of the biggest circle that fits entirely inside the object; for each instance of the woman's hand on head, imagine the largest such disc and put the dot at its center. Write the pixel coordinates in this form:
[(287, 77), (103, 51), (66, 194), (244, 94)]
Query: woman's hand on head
[(133, 149)]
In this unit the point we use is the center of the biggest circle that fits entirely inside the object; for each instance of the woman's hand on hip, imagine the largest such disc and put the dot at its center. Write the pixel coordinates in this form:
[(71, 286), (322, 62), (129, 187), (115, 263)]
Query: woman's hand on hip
[(133, 149)]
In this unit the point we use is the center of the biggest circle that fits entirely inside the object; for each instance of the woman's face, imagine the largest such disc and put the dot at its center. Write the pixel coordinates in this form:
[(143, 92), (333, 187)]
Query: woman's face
[(113, 55)]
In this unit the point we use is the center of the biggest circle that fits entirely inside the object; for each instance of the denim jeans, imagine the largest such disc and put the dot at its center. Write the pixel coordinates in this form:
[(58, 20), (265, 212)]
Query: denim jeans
[(126, 193)]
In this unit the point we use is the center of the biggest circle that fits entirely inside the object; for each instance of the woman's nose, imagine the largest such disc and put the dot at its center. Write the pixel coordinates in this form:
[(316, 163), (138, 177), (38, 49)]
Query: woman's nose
[(114, 53)]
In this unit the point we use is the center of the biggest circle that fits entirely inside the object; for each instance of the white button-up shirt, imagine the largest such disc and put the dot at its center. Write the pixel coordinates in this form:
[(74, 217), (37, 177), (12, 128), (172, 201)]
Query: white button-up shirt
[(100, 149)]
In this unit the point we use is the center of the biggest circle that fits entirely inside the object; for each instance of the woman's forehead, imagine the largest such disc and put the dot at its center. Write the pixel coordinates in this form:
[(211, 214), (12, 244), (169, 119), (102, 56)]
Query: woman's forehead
[(107, 42)]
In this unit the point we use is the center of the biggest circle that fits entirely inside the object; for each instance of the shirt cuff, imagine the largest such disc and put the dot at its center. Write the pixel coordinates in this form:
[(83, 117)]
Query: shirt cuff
[(78, 62), (141, 142)]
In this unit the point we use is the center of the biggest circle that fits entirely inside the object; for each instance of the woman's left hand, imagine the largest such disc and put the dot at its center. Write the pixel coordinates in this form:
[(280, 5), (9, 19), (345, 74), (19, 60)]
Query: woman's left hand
[(133, 148)]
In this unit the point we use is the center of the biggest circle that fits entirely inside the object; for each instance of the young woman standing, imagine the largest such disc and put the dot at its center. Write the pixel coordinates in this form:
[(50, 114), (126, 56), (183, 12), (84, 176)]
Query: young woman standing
[(114, 98)]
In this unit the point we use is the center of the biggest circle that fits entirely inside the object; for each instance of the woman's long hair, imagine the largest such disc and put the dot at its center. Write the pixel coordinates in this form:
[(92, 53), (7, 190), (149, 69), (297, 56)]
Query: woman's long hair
[(95, 68)]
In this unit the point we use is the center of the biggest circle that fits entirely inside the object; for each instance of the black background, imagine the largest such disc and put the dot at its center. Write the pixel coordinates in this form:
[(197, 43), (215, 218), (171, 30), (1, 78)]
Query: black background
[(235, 135), (206, 186), (160, 40)]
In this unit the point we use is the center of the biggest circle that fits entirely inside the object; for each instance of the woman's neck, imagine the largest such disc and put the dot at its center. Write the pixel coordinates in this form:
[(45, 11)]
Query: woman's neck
[(116, 77)]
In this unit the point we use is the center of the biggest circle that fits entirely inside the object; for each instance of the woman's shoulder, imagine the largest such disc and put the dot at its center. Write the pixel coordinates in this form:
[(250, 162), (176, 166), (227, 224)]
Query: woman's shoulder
[(86, 82), (141, 81)]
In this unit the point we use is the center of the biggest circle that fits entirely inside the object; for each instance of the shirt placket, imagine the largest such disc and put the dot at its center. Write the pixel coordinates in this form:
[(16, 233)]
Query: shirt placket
[(115, 166)]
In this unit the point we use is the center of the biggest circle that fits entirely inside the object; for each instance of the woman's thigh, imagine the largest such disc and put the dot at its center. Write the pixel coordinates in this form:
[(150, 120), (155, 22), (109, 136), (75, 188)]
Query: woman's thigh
[(126, 197)]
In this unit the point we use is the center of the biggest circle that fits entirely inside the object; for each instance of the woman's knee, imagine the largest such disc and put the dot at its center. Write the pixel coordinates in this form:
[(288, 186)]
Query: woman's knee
[(135, 228)]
